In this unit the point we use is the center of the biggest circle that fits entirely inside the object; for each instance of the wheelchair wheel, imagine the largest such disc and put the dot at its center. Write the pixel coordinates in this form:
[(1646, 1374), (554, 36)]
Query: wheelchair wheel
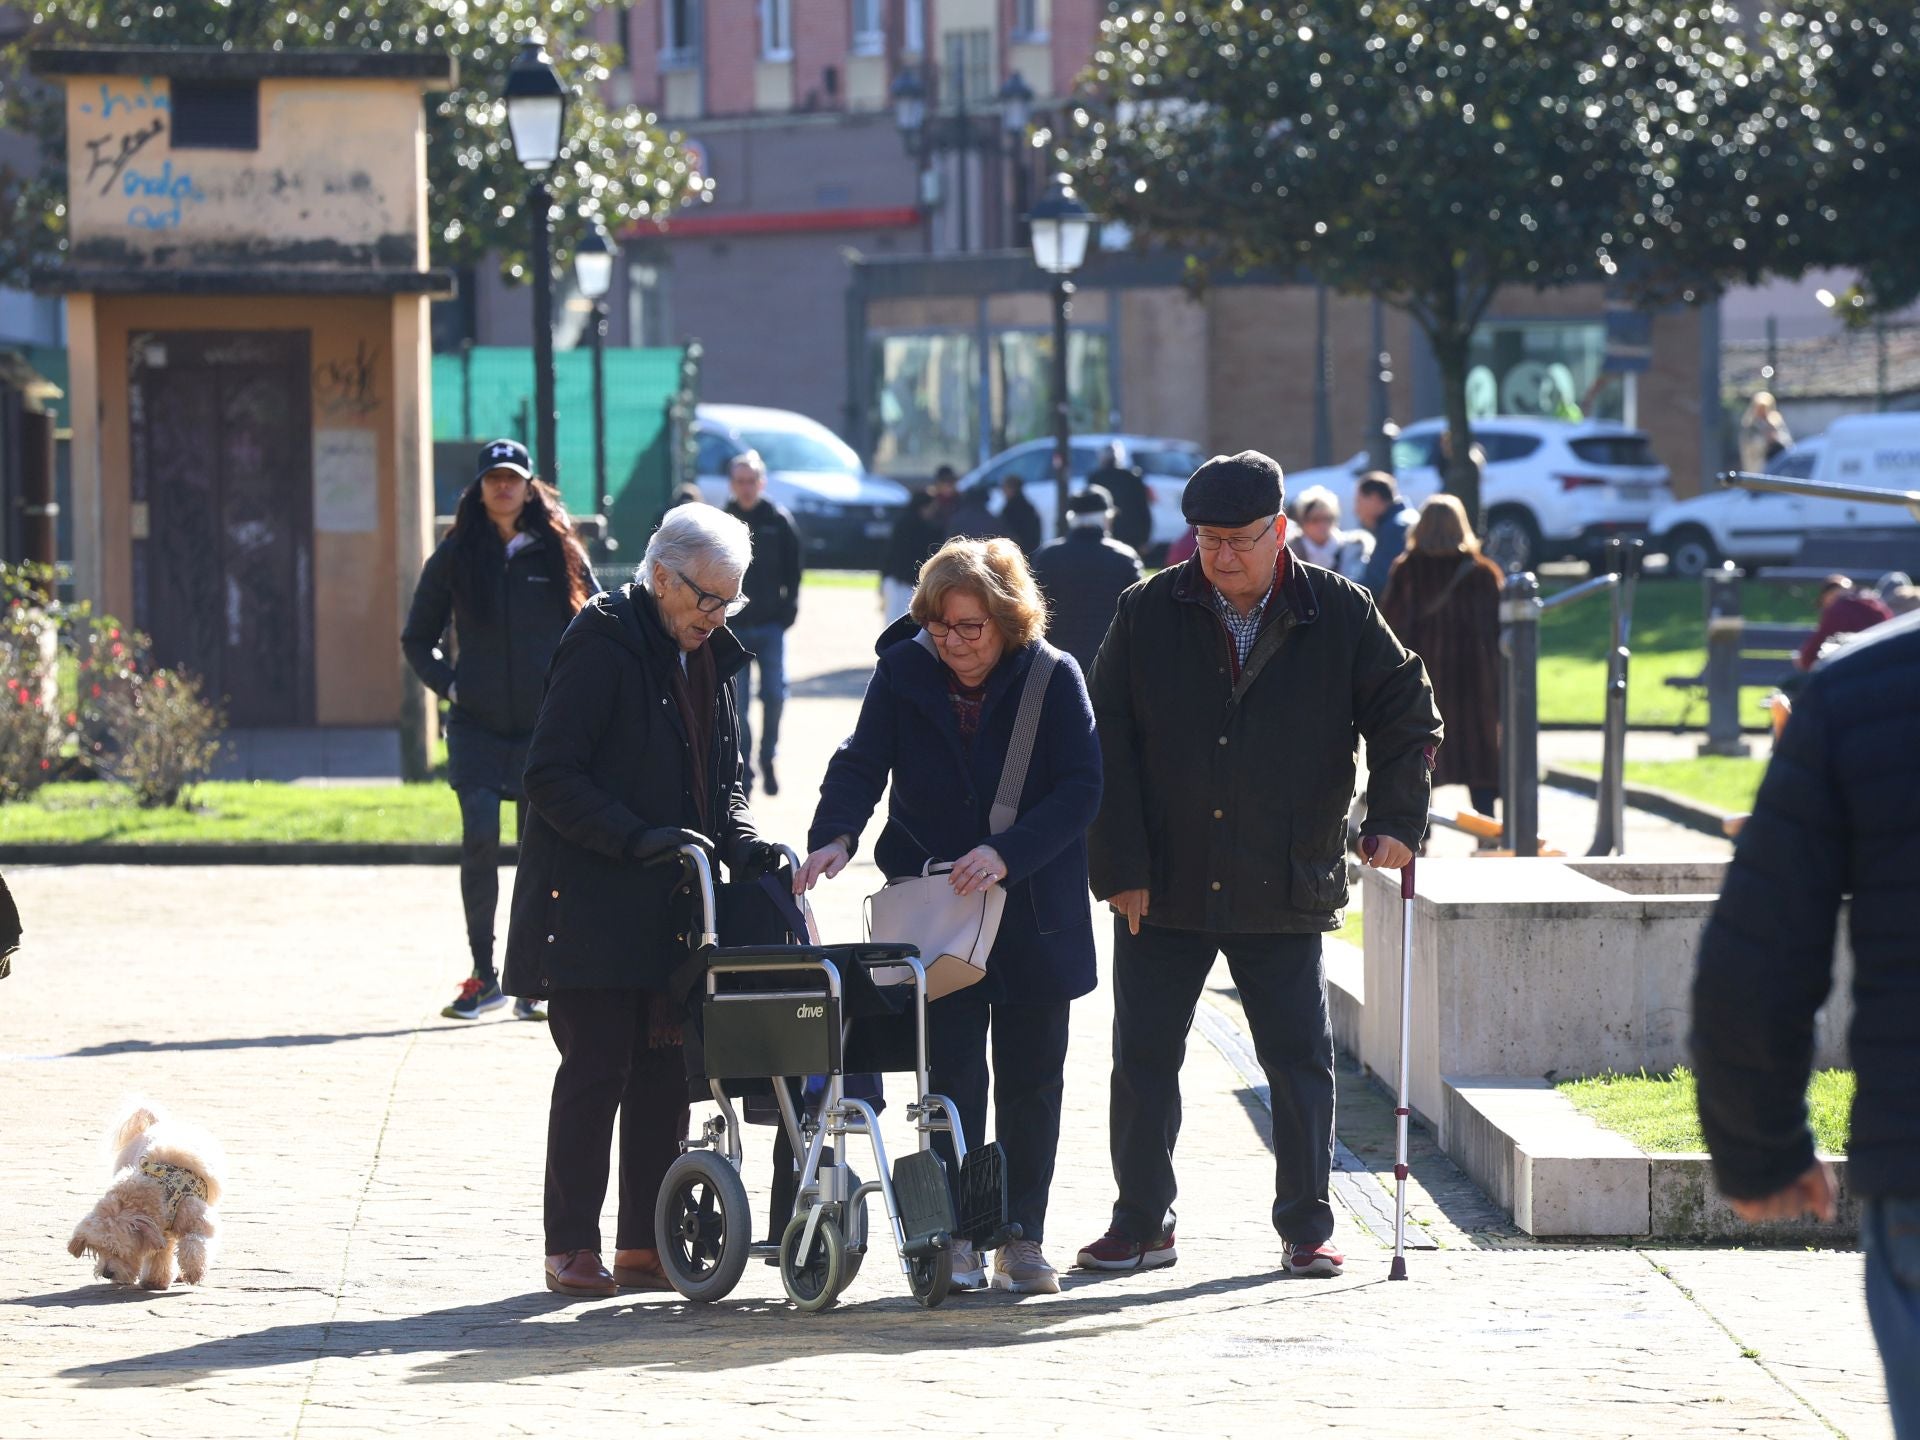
[(813, 1281), (930, 1277), (704, 1225)]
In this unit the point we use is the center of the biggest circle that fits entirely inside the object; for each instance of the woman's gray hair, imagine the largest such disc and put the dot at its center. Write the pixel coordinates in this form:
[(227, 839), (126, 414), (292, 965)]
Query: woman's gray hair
[(693, 535), (1317, 496)]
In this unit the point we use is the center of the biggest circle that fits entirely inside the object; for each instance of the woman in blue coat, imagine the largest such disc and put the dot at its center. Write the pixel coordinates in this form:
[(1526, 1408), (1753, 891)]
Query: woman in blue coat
[(937, 722)]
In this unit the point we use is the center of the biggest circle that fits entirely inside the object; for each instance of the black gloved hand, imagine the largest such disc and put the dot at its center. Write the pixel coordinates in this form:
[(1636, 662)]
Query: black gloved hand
[(662, 840), (750, 859)]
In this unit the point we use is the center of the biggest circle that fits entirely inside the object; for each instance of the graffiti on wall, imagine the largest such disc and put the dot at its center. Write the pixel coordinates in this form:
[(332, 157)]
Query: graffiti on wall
[(135, 117), (348, 387)]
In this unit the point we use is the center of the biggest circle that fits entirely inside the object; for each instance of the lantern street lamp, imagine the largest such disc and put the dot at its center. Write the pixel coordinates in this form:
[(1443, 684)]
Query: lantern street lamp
[(593, 273), (536, 117), (925, 134), (1059, 227)]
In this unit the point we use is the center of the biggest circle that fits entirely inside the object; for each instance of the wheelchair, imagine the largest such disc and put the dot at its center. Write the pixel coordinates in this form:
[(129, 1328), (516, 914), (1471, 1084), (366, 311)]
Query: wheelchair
[(765, 1018)]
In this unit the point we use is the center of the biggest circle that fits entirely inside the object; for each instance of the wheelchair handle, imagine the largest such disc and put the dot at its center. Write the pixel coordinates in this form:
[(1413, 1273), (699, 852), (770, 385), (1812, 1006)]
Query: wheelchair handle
[(694, 859)]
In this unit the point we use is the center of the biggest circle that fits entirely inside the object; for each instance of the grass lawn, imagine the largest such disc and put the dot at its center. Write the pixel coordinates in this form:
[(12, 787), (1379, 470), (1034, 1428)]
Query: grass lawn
[(236, 813), (1351, 932), (1669, 638), (841, 580), (1657, 1112), (1720, 782)]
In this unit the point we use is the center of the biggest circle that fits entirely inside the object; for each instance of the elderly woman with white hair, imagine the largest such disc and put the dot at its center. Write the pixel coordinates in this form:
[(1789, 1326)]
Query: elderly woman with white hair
[(636, 751), (1319, 540)]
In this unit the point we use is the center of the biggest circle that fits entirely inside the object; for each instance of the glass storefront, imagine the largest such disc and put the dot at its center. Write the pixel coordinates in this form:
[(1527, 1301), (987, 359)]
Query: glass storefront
[(1550, 368)]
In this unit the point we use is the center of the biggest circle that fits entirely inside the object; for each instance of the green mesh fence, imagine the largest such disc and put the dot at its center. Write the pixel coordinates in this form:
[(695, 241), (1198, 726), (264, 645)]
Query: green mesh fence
[(487, 391)]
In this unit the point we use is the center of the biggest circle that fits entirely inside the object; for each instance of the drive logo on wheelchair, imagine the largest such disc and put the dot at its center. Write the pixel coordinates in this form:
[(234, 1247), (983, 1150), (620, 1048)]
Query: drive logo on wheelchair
[(810, 1012)]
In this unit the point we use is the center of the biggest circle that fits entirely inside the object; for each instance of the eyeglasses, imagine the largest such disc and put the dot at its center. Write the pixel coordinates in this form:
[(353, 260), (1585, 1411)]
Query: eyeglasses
[(970, 630), (1239, 544), (709, 603)]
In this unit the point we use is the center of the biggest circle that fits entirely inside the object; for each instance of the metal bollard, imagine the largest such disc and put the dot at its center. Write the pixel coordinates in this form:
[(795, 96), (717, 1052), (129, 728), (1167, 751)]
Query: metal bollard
[(1520, 714), (1725, 628), (1610, 831)]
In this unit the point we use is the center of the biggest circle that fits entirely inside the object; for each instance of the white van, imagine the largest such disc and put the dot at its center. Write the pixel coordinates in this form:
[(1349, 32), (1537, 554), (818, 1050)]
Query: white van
[(1880, 452)]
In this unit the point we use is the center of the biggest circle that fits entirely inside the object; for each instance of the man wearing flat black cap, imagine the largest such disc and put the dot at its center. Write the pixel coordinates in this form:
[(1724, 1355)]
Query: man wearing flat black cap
[(1083, 574), (1229, 693)]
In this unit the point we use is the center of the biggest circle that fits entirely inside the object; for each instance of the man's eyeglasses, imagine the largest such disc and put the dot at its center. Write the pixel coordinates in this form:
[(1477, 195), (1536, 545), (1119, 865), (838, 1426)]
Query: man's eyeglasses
[(710, 603), (970, 630), (1239, 544)]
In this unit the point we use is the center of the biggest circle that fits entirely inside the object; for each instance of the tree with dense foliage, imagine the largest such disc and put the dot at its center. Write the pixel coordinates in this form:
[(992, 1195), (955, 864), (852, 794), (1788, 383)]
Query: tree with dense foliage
[(1432, 152), (617, 165)]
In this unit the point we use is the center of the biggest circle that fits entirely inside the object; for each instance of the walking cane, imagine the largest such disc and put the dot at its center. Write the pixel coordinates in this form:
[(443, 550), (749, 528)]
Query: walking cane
[(1398, 1271)]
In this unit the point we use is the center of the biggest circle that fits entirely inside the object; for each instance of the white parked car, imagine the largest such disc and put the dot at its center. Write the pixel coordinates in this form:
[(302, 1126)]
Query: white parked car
[(844, 514), (1756, 528), (1550, 487), (1166, 463)]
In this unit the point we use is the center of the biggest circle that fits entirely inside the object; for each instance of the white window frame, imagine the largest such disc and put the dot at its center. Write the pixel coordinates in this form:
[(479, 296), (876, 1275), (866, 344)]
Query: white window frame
[(1027, 26), (913, 38), (680, 51), (776, 30), (870, 27)]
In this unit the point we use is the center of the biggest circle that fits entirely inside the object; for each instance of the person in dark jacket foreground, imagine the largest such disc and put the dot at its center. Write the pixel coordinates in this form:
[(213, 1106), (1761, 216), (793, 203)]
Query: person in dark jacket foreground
[(1230, 694), (1837, 819), (773, 604), (637, 751), (509, 576), (1083, 574), (937, 722)]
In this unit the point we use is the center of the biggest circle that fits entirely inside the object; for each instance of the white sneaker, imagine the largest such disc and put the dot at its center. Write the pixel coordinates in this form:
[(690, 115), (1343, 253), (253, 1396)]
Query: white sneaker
[(968, 1271), (1019, 1267)]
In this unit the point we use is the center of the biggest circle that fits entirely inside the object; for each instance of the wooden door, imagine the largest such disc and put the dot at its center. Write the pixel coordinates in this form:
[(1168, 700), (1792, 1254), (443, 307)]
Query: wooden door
[(222, 461)]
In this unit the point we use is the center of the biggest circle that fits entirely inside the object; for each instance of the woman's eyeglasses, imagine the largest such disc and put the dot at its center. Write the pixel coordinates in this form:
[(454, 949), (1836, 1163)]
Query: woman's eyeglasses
[(1239, 544), (710, 603), (969, 630)]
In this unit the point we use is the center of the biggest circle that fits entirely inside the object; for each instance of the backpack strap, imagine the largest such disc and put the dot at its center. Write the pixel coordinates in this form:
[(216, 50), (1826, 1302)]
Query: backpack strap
[(1026, 729)]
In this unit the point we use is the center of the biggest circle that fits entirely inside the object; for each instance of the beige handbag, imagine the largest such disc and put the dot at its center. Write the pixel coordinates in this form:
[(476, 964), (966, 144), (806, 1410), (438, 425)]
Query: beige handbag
[(955, 933)]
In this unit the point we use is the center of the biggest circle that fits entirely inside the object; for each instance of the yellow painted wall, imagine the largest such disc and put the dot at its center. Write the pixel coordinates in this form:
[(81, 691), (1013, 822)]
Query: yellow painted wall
[(357, 576)]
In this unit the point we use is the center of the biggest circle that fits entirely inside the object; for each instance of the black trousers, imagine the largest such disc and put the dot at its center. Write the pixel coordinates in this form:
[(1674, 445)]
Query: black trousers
[(607, 1068), (1158, 976), (480, 868), (1029, 1078)]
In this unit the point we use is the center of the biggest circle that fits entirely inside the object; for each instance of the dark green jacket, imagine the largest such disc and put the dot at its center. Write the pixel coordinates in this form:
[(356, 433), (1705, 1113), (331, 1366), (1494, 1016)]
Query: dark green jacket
[(1227, 790)]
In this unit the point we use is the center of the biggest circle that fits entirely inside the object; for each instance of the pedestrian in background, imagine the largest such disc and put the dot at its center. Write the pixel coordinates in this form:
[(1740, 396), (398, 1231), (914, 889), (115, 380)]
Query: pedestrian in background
[(1019, 521), (916, 535), (1443, 601), (933, 736), (1320, 540), (1763, 433), (1229, 695), (1083, 574), (509, 577), (637, 752), (1132, 504), (1844, 610), (773, 604), (1835, 823), (1377, 506)]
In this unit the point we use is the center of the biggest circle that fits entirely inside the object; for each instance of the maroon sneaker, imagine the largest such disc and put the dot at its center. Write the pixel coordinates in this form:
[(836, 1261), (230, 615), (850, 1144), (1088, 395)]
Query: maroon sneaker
[(1320, 1262), (1114, 1251)]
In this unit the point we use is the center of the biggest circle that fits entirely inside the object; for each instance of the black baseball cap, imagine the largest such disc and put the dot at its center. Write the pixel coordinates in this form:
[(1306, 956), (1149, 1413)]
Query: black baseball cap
[(504, 455)]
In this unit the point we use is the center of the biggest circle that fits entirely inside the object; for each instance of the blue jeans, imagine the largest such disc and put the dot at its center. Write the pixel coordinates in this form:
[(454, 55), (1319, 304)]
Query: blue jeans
[(1890, 1234), (768, 643)]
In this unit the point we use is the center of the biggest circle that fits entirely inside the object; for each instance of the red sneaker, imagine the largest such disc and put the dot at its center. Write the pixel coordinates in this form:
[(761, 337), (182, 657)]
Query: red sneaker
[(1320, 1262), (1114, 1251)]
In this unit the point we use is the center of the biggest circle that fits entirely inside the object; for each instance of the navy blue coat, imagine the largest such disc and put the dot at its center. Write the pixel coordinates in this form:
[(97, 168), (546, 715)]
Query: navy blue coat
[(942, 794)]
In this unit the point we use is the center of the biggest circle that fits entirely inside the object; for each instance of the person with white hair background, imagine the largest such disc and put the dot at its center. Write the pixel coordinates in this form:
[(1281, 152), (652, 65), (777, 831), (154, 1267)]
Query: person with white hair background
[(636, 752), (1320, 540)]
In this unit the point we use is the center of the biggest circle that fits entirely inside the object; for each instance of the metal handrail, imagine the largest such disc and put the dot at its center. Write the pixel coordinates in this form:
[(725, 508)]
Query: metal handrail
[(1820, 489), (1580, 592)]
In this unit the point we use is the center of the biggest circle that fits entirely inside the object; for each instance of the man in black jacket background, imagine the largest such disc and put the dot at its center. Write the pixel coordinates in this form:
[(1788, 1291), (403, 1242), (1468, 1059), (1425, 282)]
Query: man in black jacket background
[(1837, 817), (1229, 694), (773, 604), (1083, 574)]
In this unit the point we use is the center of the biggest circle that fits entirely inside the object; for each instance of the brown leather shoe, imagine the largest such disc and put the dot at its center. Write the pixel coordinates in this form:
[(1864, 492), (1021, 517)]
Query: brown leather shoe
[(640, 1270), (579, 1272)]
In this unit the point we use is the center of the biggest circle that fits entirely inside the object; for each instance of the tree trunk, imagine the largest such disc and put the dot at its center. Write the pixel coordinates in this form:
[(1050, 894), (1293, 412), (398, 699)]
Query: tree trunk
[(1461, 473)]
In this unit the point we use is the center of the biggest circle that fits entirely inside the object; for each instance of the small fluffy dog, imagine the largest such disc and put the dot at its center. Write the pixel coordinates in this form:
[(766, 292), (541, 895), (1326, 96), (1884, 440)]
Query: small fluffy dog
[(166, 1180)]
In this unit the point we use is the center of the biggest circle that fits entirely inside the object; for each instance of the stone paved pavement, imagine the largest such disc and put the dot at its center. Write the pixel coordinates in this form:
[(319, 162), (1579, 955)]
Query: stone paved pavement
[(382, 1232)]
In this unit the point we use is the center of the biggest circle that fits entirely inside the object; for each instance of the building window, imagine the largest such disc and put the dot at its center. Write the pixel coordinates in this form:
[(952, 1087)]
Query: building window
[(969, 67), (1540, 367), (869, 28), (776, 29), (913, 40), (648, 324), (216, 114), (679, 34), (1029, 22)]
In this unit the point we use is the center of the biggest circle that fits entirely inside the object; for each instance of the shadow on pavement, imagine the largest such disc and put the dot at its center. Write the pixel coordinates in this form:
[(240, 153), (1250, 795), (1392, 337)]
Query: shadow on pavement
[(831, 685), (242, 1042), (521, 1336)]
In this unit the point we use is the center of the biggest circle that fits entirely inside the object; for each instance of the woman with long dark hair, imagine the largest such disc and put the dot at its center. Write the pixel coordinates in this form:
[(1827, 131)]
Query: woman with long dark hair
[(510, 576)]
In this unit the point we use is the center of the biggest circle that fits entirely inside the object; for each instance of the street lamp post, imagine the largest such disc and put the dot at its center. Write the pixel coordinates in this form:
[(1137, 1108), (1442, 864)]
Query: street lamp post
[(1060, 226), (593, 272), (924, 135), (536, 117)]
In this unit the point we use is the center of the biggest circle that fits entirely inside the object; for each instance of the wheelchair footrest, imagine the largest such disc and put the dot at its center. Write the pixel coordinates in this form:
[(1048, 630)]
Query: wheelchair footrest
[(983, 1198), (920, 1187)]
